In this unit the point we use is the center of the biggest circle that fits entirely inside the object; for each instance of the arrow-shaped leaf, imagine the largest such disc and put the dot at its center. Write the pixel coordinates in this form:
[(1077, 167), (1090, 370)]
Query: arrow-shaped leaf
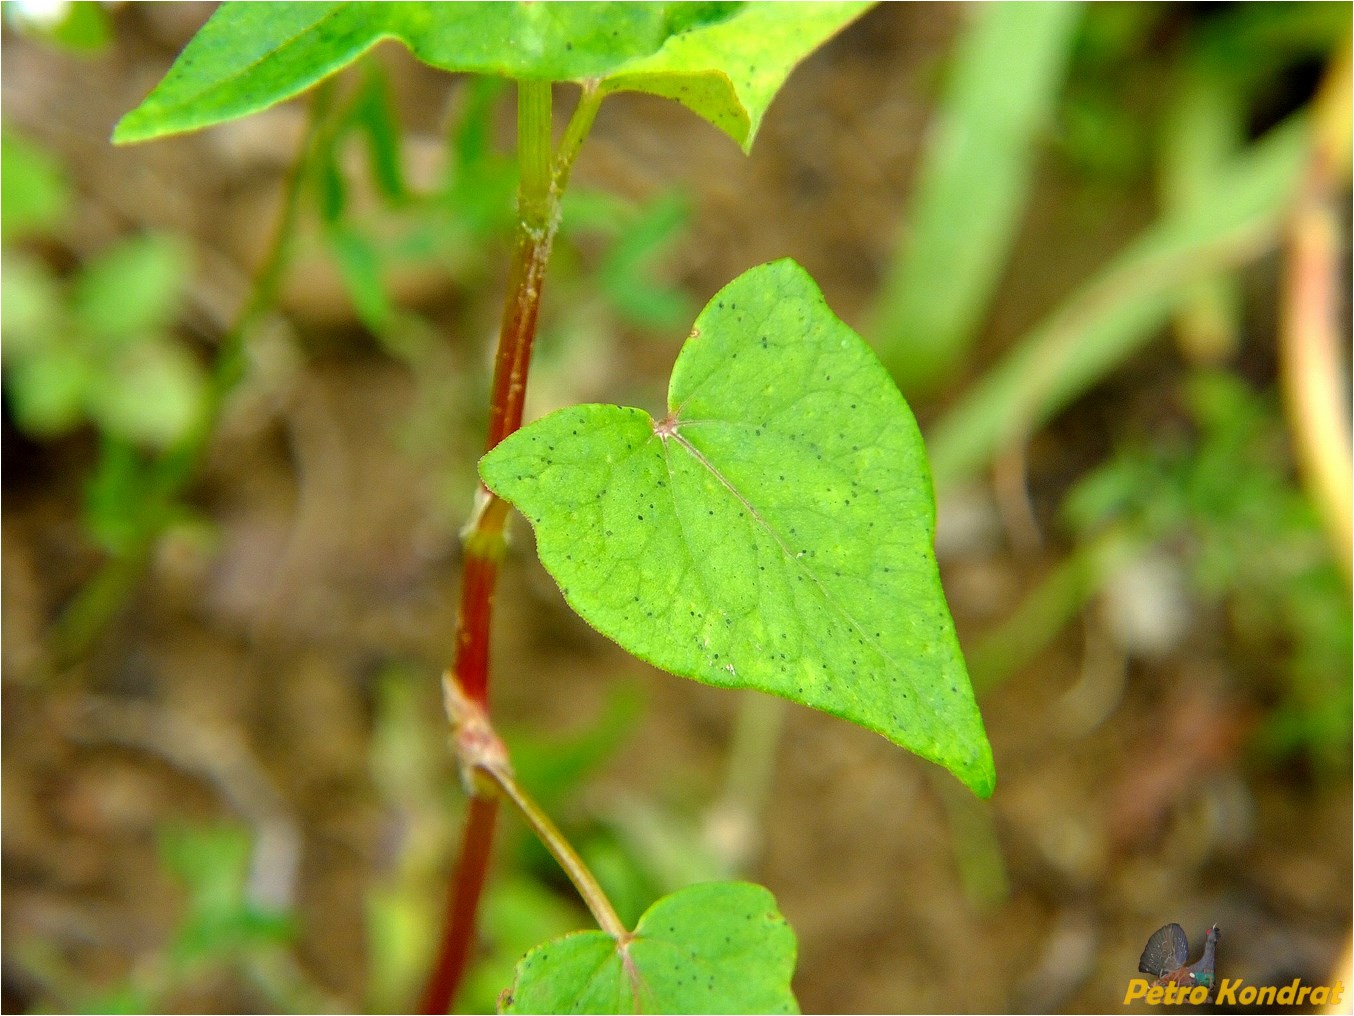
[(772, 531), (720, 947)]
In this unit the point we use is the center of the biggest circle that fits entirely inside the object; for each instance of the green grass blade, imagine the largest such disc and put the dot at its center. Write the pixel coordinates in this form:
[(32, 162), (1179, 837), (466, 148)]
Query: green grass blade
[(972, 187), (1122, 307)]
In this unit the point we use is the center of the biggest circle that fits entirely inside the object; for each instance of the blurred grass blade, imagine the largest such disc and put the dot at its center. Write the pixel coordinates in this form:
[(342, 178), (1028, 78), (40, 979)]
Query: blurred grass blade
[(1202, 133), (971, 187), (1047, 609), (1122, 307), (1312, 339)]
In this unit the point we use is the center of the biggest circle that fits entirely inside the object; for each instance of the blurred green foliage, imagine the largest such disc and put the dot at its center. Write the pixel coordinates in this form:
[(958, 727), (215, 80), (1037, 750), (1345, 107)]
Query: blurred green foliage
[(95, 347), (1222, 500), (98, 348), (35, 192), (212, 864), (462, 223), (80, 27), (220, 930), (1130, 61)]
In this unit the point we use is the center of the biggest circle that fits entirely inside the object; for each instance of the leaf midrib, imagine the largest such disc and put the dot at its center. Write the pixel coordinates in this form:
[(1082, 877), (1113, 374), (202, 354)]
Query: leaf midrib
[(795, 559), (271, 55)]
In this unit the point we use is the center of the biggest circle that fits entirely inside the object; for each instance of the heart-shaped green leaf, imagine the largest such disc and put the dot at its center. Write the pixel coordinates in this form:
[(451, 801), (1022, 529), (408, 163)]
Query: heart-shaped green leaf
[(773, 531), (720, 947), (725, 61)]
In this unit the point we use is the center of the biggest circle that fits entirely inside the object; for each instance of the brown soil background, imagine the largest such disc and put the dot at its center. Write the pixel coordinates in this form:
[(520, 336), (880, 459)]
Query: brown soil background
[(335, 556)]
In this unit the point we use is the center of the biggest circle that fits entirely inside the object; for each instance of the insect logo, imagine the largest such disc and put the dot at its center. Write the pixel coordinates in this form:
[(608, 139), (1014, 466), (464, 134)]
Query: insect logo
[(1165, 956)]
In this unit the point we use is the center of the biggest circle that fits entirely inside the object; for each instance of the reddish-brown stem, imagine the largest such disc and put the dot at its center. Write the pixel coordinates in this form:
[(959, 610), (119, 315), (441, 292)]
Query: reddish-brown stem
[(472, 629), (537, 203), (484, 539), (538, 212), (519, 326), (462, 904)]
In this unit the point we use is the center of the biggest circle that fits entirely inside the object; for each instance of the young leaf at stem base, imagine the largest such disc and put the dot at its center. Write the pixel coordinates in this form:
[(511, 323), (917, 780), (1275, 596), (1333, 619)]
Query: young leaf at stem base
[(719, 947), (773, 530)]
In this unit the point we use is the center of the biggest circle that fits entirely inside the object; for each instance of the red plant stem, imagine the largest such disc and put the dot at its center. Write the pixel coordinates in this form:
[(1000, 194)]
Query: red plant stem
[(519, 326), (462, 904), (484, 536), (538, 197)]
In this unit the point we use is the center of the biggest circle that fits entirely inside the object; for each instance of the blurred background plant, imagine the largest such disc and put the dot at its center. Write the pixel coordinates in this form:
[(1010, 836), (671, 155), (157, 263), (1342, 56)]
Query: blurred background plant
[(94, 349), (244, 519), (1216, 500), (1226, 502)]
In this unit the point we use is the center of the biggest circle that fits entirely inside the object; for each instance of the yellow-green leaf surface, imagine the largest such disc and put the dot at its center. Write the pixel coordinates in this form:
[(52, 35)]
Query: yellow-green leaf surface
[(720, 947), (729, 71), (772, 530), (725, 61)]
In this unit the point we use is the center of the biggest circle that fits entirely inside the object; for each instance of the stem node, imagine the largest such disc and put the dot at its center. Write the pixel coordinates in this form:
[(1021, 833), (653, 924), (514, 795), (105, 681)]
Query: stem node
[(479, 750)]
